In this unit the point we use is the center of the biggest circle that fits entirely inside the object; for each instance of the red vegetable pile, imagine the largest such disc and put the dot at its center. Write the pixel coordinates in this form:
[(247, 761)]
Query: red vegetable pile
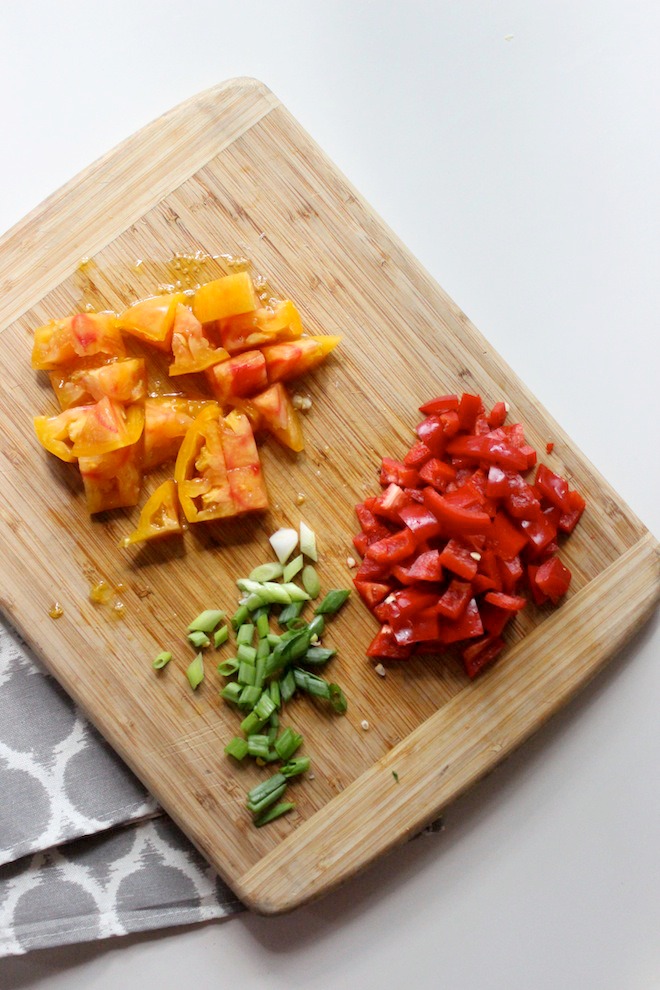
[(458, 532)]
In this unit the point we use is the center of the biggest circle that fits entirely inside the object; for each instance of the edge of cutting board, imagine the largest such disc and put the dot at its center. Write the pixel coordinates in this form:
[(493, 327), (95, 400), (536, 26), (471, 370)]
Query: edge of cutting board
[(467, 737)]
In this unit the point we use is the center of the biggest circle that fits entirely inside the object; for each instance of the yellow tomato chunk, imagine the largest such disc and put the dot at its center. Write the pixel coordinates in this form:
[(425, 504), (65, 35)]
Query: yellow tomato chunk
[(227, 296)]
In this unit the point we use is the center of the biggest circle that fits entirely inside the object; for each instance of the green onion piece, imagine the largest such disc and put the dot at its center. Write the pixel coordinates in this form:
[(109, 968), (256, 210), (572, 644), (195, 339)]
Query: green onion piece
[(275, 693), (220, 636), (247, 653), (257, 745), (199, 639), (316, 656), (332, 602), (260, 671), (195, 672), (249, 696), (292, 568), (237, 747), (317, 626), (245, 634), (275, 811), (287, 650), (311, 581), (263, 649), (395, 775), (312, 684), (228, 666), (266, 572), (283, 542), (248, 586), (239, 616), (296, 766), (275, 593), (273, 639), (161, 660), (263, 625), (232, 692), (308, 541), (274, 720), (287, 686), (338, 699), (265, 706), (254, 602), (246, 672), (266, 793), (291, 611), (272, 736), (295, 593), (251, 724), (287, 743), (207, 621)]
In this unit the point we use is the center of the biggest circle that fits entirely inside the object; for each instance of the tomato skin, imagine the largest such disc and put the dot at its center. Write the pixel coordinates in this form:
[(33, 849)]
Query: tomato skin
[(166, 420), (263, 326), (152, 319), (91, 430)]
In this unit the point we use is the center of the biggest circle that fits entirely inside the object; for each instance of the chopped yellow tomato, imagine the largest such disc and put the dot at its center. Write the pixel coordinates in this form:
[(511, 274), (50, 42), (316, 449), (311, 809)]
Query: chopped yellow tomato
[(166, 420), (61, 342), (123, 381), (273, 410), (192, 349), (246, 481), (87, 431), (152, 319), (239, 376), (159, 517), (290, 360), (267, 325), (112, 480), (227, 296)]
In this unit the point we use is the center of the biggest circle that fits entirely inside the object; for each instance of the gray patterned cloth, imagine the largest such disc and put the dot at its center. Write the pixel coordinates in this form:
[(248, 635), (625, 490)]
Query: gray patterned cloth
[(86, 851)]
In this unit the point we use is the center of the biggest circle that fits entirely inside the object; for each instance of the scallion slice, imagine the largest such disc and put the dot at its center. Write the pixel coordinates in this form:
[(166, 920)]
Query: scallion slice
[(195, 672), (287, 743), (239, 616), (295, 593), (284, 542), (199, 639), (308, 541), (300, 764), (263, 625), (237, 747), (228, 666), (247, 653), (161, 660), (245, 634), (276, 811), (332, 602), (220, 636), (207, 620), (316, 656), (292, 568), (232, 692), (311, 581), (291, 611), (266, 572), (257, 745)]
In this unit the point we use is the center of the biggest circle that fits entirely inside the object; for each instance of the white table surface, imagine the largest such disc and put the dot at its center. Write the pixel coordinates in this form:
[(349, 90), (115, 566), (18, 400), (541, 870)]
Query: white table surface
[(515, 148)]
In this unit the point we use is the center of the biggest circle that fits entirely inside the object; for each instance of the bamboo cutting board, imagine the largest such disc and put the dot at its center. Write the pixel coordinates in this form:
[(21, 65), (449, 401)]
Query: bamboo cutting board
[(231, 173)]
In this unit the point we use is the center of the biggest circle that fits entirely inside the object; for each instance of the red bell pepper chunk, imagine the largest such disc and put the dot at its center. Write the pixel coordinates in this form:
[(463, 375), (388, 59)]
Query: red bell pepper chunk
[(539, 597), (407, 602), (426, 567), (457, 558), (372, 570), (369, 522), (372, 593), (389, 503), (437, 473), (479, 655), (418, 454), (431, 432), (469, 407), (393, 472), (487, 567), (443, 403), (511, 571), (552, 579), (497, 415), (467, 626), (392, 549), (553, 487), (504, 538), (490, 449), (385, 647), (540, 531), (451, 424), (420, 521), (455, 599), (454, 519), (512, 603), (569, 520), (494, 618), (421, 627)]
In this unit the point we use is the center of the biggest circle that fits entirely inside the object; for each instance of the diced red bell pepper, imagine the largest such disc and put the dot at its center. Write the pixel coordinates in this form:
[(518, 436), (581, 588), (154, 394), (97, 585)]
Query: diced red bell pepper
[(420, 521), (494, 619), (467, 626), (393, 472), (418, 454), (407, 602), (511, 571), (426, 567), (552, 579), (373, 570), (451, 424), (443, 403), (569, 520), (457, 558), (487, 567), (497, 415), (512, 603), (538, 596), (553, 487), (369, 521), (454, 519), (421, 627), (371, 592), (469, 407), (431, 432), (504, 538), (479, 655), (539, 532), (453, 602), (489, 449), (385, 647), (437, 473), (392, 549), (390, 502)]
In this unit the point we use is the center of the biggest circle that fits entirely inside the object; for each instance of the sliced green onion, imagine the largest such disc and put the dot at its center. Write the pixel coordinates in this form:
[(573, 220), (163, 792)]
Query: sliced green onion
[(247, 653), (266, 572), (274, 720), (287, 743), (338, 699), (273, 639), (237, 747), (265, 706), (332, 602), (207, 621), (251, 724), (295, 593), (275, 693), (246, 673), (288, 649), (228, 666), (253, 602), (317, 626), (248, 586), (284, 542), (249, 696), (311, 581), (199, 639), (263, 649), (292, 568), (260, 671), (263, 625), (161, 660), (220, 636), (308, 541), (239, 616), (287, 686), (316, 656), (311, 683), (257, 745), (275, 593), (275, 811), (266, 793), (245, 633), (291, 611), (272, 735), (195, 672), (232, 692), (296, 766)]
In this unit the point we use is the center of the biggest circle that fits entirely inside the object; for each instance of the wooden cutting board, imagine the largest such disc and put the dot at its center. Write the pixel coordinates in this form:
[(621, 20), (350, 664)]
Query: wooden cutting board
[(231, 173)]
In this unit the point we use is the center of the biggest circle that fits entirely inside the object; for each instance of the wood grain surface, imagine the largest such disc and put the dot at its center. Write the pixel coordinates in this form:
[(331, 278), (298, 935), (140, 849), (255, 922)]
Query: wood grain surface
[(231, 174)]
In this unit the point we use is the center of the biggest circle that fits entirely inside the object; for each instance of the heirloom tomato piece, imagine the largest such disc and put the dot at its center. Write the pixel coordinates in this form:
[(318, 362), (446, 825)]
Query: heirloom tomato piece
[(166, 420), (152, 319), (243, 466), (159, 517), (112, 480), (61, 342), (86, 431), (273, 410), (122, 381), (267, 325), (231, 295), (292, 359), (239, 377), (192, 349), (200, 470)]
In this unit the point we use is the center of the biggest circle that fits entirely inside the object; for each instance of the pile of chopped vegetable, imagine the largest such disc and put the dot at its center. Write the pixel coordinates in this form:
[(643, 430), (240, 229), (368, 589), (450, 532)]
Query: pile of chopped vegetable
[(459, 532), (269, 667), (235, 352)]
